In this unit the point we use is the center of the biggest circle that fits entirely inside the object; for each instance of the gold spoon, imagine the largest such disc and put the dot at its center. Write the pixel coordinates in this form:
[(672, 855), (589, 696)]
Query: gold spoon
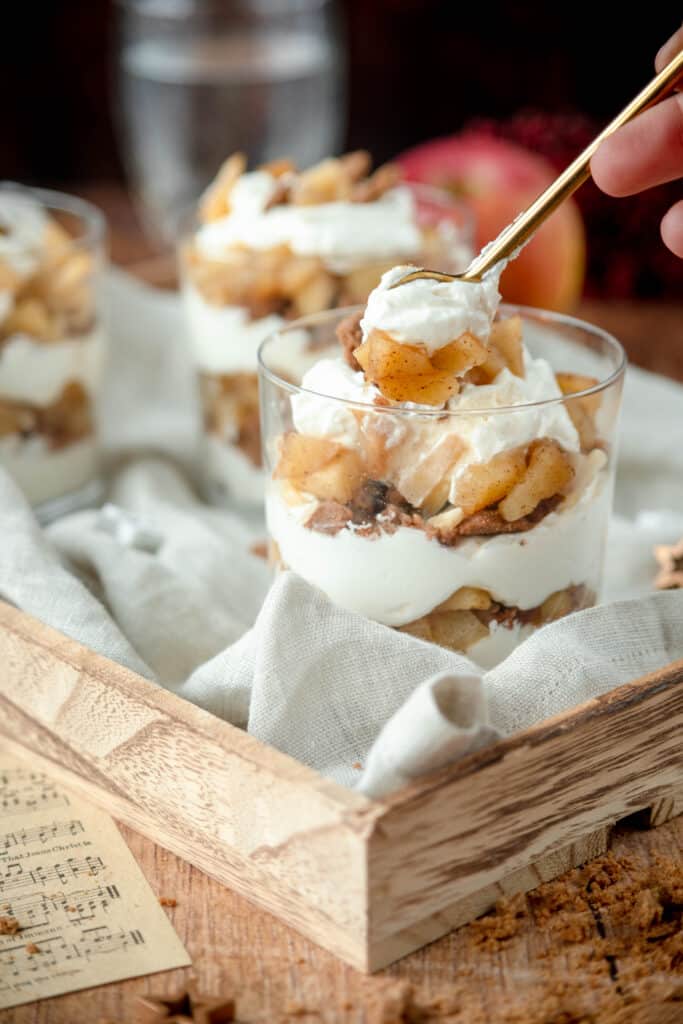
[(515, 235)]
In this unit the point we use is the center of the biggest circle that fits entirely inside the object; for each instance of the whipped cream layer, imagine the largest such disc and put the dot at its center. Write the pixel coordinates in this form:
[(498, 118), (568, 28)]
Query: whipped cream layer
[(418, 432), (44, 473), (224, 339), (431, 313), (37, 372), (343, 234), (395, 578), (23, 224)]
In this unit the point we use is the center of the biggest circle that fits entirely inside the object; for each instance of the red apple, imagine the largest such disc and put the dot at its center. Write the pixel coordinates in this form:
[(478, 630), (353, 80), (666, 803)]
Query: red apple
[(499, 179)]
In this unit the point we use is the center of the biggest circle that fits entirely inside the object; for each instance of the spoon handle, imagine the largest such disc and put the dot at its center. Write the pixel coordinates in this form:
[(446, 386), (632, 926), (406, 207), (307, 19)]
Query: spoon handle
[(526, 223)]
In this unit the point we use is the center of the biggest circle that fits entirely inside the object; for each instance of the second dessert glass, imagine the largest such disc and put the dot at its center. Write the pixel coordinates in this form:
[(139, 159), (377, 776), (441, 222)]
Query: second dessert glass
[(52, 344), (224, 336), (359, 497)]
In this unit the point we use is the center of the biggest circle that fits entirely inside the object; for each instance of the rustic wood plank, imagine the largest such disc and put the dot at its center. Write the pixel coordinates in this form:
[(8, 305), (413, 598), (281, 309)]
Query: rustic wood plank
[(472, 824), (469, 907), (244, 813), (665, 809), (240, 949), (368, 880)]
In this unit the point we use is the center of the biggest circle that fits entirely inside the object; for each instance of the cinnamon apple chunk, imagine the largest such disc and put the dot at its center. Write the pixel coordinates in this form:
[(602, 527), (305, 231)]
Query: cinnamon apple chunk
[(484, 484), (320, 467), (548, 472), (407, 373)]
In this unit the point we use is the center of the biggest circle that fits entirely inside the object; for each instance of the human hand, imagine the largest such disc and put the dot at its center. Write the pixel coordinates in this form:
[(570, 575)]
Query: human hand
[(648, 151)]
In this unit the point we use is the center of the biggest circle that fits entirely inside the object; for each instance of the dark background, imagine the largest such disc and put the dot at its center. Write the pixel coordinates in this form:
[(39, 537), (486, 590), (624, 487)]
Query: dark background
[(417, 69)]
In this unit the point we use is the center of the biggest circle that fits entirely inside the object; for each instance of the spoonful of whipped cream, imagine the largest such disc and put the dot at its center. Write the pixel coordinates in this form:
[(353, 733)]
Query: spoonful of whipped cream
[(514, 237)]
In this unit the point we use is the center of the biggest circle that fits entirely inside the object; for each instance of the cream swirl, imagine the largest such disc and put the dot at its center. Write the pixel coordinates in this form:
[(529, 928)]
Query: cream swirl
[(23, 223), (343, 234), (431, 313)]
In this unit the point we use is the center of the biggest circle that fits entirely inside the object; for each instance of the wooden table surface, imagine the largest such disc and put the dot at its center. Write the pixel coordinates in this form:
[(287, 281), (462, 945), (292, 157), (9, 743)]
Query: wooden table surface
[(509, 967)]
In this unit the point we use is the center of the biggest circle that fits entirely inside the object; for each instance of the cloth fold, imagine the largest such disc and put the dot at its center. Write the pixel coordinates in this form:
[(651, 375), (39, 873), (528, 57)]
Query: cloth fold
[(172, 589)]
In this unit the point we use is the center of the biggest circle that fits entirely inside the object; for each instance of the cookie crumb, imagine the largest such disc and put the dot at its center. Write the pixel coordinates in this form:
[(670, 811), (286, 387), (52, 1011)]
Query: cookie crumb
[(31, 948), (260, 549), (168, 901), (9, 925)]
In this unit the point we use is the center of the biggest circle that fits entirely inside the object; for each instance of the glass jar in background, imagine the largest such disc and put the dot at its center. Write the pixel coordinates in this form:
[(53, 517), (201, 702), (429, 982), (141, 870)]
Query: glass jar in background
[(197, 79), (376, 505), (52, 343), (224, 332)]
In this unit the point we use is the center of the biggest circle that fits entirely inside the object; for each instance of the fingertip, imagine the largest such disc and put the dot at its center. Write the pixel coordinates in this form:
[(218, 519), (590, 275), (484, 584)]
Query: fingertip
[(605, 168), (668, 51), (672, 229)]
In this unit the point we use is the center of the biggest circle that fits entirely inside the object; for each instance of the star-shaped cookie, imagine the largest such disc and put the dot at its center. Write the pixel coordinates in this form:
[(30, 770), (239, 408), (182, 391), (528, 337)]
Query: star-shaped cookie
[(185, 1007), (670, 558)]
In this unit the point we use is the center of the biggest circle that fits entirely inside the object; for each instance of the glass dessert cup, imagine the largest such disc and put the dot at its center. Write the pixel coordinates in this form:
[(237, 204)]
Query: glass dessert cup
[(361, 498), (51, 346), (224, 335)]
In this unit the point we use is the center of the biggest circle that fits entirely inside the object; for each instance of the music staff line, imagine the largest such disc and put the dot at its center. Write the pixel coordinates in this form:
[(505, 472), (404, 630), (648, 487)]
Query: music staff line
[(23, 791), (41, 834), (14, 877)]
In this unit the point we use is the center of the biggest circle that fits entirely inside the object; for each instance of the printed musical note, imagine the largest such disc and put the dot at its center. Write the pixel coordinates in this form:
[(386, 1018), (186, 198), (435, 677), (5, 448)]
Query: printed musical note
[(41, 833), (85, 913)]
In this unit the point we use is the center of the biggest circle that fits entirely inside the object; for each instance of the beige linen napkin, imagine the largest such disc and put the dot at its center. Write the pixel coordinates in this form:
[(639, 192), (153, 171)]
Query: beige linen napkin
[(169, 587)]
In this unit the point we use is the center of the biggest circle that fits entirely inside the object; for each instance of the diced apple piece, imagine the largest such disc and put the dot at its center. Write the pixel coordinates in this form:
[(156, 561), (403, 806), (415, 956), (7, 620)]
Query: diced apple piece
[(277, 168), (506, 337), (425, 389), (31, 317), (389, 358), (215, 202), (466, 599), (487, 483), (583, 421), (316, 295), (301, 454), (359, 282), (460, 355), (437, 498), (424, 477), (571, 383), (548, 472), (338, 480), (556, 606), (420, 628), (326, 182), (457, 630), (488, 370)]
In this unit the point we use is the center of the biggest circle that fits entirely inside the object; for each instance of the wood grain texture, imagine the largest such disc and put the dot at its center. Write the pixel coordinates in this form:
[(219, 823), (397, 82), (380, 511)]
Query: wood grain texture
[(368, 880), (243, 812), (237, 948), (474, 823)]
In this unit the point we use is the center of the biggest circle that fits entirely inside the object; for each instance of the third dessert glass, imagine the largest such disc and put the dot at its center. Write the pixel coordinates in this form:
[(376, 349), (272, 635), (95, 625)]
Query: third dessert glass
[(51, 345), (440, 471), (275, 244)]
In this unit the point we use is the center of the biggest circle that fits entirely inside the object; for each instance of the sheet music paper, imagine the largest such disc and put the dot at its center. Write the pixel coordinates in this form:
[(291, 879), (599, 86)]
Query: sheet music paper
[(86, 914)]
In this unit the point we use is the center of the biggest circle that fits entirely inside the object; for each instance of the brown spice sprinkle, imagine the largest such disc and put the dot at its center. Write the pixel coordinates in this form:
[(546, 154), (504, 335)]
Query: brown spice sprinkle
[(9, 925), (168, 901), (616, 933), (260, 549)]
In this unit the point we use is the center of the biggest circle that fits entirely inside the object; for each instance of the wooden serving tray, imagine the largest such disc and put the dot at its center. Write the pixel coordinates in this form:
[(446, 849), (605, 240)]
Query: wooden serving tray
[(369, 880)]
